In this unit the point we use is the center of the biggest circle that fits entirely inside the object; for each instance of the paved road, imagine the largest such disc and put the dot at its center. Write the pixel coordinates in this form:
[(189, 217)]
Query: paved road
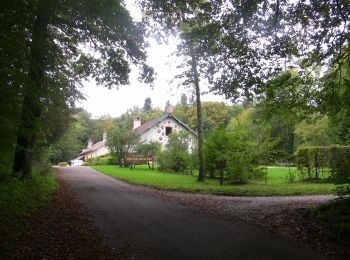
[(145, 227)]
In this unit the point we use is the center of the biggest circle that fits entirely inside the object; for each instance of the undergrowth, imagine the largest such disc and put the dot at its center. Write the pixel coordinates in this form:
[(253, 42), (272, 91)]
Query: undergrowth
[(19, 198), (336, 216)]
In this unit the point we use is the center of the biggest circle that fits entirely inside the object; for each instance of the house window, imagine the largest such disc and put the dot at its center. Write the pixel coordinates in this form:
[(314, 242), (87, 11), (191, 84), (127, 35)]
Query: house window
[(168, 130)]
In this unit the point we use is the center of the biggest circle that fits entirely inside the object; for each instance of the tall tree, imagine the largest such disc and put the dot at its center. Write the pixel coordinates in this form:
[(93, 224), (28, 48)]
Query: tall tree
[(147, 105), (184, 18), (56, 63), (334, 96)]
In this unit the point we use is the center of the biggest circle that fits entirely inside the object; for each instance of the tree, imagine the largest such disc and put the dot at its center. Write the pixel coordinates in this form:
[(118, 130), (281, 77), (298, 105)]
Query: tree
[(185, 17), (176, 155), (181, 108), (284, 101), (147, 106), (314, 131), (151, 148), (334, 96), (49, 35), (120, 141), (263, 38), (244, 151), (184, 101), (216, 146), (215, 114)]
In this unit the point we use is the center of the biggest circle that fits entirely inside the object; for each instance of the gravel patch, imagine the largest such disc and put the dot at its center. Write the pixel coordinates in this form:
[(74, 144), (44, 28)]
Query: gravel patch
[(286, 215)]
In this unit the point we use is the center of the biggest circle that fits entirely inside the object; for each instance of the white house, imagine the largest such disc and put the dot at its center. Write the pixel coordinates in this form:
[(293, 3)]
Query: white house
[(156, 130), (94, 150)]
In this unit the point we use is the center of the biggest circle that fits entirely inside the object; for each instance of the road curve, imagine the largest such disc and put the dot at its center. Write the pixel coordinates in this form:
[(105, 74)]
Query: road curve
[(144, 227)]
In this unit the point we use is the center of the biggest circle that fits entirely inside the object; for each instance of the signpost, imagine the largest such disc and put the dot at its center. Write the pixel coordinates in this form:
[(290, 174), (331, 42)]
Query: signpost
[(221, 165), (134, 159)]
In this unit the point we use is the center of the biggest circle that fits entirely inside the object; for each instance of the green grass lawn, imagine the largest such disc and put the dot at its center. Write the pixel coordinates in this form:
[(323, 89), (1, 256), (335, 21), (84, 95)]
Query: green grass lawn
[(276, 183)]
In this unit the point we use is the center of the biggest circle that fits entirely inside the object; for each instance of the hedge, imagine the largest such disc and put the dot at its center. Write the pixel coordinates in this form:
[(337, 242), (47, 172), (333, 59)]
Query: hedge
[(314, 160), (108, 160)]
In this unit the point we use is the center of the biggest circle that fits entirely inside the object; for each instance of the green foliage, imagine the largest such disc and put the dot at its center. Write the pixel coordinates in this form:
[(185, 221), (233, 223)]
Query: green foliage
[(215, 114), (120, 141), (315, 159), (151, 148), (19, 198), (181, 109), (147, 106), (336, 216), (216, 148), (176, 156), (291, 176), (243, 146), (46, 56), (62, 164), (334, 96), (313, 131), (283, 102), (106, 160), (343, 191)]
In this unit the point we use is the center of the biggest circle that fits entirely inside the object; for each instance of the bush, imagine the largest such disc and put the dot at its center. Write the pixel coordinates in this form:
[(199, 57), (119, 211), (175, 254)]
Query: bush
[(63, 164), (244, 145), (107, 160), (176, 157), (18, 198), (314, 160), (335, 215)]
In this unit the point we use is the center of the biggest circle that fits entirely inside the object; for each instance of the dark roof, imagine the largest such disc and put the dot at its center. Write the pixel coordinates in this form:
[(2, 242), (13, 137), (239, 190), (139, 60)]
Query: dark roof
[(93, 148), (146, 126)]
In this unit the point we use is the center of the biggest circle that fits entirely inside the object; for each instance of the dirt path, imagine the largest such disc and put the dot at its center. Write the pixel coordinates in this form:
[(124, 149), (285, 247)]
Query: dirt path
[(146, 227)]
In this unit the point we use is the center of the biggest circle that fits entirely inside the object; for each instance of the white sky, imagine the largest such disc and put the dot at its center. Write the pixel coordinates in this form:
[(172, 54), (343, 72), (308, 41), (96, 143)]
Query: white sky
[(102, 101)]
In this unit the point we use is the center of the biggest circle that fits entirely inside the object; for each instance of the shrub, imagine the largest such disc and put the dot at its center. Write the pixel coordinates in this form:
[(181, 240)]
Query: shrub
[(18, 198), (313, 160), (106, 160), (240, 146), (334, 158), (63, 164), (176, 157)]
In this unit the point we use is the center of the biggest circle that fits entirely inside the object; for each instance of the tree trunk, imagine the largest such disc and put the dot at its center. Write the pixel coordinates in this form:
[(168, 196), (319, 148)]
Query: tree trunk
[(31, 108), (201, 174)]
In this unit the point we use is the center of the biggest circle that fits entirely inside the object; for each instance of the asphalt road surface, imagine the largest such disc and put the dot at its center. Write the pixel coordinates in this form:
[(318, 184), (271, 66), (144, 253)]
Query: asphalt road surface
[(140, 226)]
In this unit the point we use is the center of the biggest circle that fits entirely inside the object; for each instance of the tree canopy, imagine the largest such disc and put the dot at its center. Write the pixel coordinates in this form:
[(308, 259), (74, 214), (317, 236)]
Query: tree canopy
[(47, 48)]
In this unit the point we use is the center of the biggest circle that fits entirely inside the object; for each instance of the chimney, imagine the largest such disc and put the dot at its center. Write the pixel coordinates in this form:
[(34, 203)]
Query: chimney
[(89, 143), (104, 137), (169, 109), (137, 122)]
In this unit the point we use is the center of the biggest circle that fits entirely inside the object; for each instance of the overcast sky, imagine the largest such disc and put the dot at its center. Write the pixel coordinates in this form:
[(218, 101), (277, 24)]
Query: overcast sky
[(102, 101)]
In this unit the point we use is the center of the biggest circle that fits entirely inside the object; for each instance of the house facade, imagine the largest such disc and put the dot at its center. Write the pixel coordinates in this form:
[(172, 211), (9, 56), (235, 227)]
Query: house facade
[(94, 150), (156, 130)]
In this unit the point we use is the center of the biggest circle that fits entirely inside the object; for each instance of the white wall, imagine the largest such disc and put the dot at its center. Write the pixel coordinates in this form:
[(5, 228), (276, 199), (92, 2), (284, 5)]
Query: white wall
[(99, 152), (157, 132)]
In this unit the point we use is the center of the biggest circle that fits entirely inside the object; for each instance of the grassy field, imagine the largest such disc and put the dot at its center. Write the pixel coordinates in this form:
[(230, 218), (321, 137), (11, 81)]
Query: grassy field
[(276, 182)]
